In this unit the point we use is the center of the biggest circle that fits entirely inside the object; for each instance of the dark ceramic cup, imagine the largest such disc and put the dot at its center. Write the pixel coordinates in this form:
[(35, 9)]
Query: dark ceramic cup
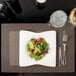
[(41, 3), (15, 5), (6, 10)]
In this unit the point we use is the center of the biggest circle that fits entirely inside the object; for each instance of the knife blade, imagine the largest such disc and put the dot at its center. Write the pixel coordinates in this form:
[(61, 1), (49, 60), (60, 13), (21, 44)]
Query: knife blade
[(59, 38)]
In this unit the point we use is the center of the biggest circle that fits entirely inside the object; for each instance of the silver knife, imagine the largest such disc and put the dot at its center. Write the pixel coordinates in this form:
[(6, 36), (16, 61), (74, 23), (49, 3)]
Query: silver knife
[(60, 47)]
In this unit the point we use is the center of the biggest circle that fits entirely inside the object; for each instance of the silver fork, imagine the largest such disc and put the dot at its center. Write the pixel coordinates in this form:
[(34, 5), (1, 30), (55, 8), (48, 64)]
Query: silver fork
[(64, 40)]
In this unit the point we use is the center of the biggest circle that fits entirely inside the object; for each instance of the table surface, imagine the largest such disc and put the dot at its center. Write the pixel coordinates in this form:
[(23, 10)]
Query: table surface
[(30, 13), (9, 57)]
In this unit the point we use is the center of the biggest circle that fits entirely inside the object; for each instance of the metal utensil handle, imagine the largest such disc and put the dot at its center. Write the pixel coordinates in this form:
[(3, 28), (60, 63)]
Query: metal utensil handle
[(64, 54), (60, 57)]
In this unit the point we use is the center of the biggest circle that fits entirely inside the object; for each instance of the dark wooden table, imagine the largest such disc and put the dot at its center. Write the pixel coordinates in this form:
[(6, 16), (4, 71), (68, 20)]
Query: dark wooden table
[(30, 13)]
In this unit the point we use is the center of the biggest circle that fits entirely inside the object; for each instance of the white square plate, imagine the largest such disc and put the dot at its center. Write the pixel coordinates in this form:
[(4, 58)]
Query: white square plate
[(49, 59)]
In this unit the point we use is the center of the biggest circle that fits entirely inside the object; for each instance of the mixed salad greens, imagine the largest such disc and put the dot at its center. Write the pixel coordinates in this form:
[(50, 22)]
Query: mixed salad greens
[(37, 48)]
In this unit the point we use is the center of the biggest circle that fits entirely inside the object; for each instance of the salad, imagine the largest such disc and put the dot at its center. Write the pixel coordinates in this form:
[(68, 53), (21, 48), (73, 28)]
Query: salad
[(37, 48)]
